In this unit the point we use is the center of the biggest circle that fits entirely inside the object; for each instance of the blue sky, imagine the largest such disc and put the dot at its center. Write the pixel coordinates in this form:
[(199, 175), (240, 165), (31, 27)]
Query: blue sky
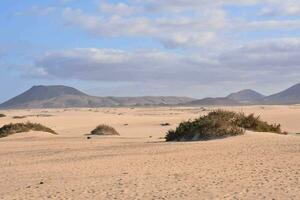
[(134, 48)]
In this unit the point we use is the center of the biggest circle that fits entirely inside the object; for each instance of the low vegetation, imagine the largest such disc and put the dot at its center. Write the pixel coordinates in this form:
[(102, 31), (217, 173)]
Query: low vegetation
[(10, 129), (165, 124), (2, 115), (104, 130), (25, 116), (19, 117), (218, 124)]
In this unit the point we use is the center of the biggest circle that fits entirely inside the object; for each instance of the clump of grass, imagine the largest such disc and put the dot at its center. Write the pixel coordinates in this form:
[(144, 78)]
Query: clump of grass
[(254, 123), (10, 129), (19, 117), (214, 125), (165, 124), (104, 130), (218, 124), (2, 115)]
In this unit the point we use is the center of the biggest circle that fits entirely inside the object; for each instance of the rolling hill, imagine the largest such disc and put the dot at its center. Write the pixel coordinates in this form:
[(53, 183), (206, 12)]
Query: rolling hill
[(60, 96), (246, 96), (64, 97), (251, 97), (220, 101), (288, 96)]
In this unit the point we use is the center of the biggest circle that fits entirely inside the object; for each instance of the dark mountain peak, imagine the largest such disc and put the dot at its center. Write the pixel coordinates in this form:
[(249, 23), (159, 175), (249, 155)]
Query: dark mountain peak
[(59, 96), (40, 93), (53, 91), (248, 91), (294, 88), (219, 101), (288, 96), (291, 91), (246, 95)]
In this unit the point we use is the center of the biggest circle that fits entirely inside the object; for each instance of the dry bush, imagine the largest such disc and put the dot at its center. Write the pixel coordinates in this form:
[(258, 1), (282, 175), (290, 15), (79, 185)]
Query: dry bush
[(165, 124), (19, 117), (220, 123), (10, 129), (104, 130)]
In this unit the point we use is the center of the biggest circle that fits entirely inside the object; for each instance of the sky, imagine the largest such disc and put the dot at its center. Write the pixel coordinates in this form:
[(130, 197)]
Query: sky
[(195, 48)]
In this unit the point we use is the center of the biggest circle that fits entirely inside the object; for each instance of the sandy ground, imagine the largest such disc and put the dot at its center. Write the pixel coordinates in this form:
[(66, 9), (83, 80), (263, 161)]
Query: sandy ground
[(139, 165)]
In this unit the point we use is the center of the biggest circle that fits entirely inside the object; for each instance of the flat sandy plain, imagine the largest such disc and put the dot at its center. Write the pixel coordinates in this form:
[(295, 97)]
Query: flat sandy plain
[(138, 164)]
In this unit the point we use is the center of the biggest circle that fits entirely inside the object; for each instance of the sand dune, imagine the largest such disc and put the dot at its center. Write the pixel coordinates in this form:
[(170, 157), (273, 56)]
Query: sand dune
[(139, 165)]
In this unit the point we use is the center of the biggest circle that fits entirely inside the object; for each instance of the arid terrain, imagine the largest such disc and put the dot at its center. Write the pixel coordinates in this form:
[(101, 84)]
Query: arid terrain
[(139, 164)]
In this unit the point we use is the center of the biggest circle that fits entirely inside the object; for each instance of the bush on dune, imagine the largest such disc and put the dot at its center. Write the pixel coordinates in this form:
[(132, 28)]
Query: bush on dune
[(218, 124), (10, 129), (253, 123), (104, 130), (2, 115)]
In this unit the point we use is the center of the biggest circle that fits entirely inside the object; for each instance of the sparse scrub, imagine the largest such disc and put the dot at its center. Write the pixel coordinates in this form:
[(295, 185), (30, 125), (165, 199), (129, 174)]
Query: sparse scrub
[(104, 130), (219, 124), (2, 115), (10, 129), (165, 124), (254, 123), (19, 117)]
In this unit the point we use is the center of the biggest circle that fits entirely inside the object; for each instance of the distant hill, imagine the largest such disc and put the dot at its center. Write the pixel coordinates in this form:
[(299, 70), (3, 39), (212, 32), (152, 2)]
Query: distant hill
[(42, 93), (221, 101), (288, 96), (246, 96), (239, 98), (65, 97), (251, 97)]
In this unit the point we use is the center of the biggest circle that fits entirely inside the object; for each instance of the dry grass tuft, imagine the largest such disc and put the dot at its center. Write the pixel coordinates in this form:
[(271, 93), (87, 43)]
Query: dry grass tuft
[(218, 124), (165, 124), (104, 130), (19, 117), (10, 129)]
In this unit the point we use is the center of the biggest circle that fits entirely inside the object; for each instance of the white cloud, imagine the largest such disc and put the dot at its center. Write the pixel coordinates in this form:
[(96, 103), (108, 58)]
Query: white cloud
[(274, 56), (261, 61), (217, 45), (66, 1), (281, 8), (117, 65), (181, 30), (119, 8), (180, 23)]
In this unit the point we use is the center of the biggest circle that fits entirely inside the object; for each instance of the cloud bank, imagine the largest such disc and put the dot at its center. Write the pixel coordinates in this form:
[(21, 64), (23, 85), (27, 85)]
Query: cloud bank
[(243, 63), (197, 44)]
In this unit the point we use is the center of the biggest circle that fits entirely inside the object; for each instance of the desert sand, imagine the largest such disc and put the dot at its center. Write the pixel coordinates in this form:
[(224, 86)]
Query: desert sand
[(138, 164)]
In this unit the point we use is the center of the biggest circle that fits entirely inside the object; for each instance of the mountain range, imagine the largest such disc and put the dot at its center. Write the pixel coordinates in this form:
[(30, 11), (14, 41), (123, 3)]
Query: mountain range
[(251, 97), (64, 97)]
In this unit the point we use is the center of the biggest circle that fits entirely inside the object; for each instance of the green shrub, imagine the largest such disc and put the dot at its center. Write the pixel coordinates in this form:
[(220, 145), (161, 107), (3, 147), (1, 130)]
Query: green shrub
[(10, 129), (104, 130), (2, 115), (220, 123)]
